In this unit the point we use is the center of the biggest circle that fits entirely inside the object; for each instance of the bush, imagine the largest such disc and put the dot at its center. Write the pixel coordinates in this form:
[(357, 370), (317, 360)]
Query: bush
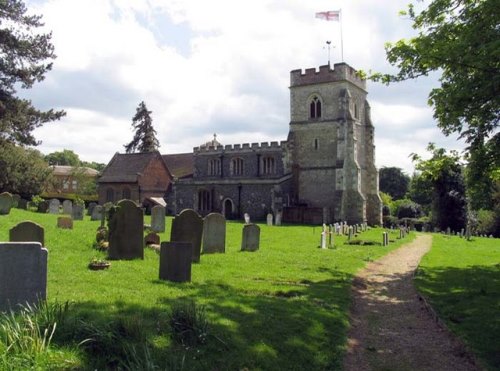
[(488, 223), (408, 209)]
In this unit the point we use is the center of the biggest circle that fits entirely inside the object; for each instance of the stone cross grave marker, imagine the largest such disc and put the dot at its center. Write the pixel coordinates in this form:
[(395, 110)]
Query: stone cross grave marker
[(77, 212), (23, 274), (6, 202), (188, 227), (64, 222), (214, 233), (158, 219), (97, 212), (126, 229), (27, 232), (67, 206), (175, 261), (269, 219), (54, 206), (250, 237)]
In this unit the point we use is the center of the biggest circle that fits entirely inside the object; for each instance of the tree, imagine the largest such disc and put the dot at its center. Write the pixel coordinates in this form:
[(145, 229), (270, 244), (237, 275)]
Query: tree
[(25, 58), (394, 182), (145, 135), (444, 172), (420, 191), (65, 157), (25, 170)]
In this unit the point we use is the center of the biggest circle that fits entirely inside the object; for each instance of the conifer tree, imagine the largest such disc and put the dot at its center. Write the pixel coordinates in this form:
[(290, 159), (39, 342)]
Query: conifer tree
[(145, 135)]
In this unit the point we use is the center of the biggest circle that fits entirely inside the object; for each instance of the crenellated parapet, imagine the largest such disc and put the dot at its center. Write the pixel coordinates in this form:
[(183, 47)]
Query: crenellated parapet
[(237, 148), (325, 74)]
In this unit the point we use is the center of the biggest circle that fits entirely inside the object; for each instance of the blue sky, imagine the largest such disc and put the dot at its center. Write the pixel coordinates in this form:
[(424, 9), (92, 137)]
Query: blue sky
[(216, 66)]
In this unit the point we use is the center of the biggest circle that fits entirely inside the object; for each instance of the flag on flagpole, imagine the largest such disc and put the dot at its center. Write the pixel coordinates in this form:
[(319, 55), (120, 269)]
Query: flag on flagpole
[(331, 15)]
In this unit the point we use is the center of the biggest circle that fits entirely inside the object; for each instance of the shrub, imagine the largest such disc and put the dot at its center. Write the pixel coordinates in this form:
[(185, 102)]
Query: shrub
[(487, 223), (408, 209)]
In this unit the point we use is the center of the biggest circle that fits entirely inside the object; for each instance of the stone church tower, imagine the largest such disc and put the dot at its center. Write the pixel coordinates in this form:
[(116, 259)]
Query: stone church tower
[(330, 150)]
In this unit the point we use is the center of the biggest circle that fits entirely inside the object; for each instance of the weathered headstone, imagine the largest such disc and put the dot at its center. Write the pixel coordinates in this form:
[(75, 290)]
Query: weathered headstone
[(214, 233), (67, 207), (247, 218), (277, 219), (22, 204), (97, 213), (64, 222), (43, 207), (350, 233), (330, 236), (126, 232), (27, 232), (77, 212), (54, 206), (23, 274), (91, 208), (250, 237), (175, 261), (158, 219), (323, 237), (385, 238), (152, 239), (269, 219), (6, 202), (15, 200), (188, 227)]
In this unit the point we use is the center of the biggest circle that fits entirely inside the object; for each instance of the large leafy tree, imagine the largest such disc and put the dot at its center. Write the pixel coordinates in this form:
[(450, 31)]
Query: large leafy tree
[(443, 171), (65, 157), (25, 58), (145, 135), (394, 182)]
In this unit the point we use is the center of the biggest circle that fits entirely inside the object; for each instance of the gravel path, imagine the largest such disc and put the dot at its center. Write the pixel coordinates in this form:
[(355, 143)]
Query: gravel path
[(391, 327)]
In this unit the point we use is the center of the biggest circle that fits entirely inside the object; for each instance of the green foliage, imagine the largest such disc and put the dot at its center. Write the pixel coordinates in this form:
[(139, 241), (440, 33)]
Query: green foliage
[(394, 182), (188, 323), (488, 223), (24, 171), (65, 157), (461, 279), (408, 209), (145, 135), (26, 57), (420, 191)]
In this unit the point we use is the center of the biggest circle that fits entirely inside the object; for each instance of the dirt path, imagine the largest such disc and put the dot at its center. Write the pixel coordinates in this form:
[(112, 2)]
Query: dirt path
[(391, 327)]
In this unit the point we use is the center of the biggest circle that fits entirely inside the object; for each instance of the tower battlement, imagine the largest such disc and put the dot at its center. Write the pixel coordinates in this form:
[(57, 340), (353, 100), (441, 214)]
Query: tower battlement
[(230, 148), (340, 72)]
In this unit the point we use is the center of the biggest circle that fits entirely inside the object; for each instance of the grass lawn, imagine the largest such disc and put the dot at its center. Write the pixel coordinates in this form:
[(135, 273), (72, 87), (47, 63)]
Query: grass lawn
[(461, 279), (284, 307)]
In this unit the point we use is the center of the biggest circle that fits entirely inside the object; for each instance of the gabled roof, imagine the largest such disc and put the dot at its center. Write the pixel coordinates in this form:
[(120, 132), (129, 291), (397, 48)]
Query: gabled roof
[(70, 170), (180, 164), (126, 167)]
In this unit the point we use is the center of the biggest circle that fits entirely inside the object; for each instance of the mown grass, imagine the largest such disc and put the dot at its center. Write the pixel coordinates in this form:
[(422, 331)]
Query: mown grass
[(284, 307), (461, 279)]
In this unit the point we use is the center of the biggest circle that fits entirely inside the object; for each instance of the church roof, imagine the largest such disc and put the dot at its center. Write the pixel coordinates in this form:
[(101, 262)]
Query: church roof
[(180, 164), (69, 170), (126, 167)]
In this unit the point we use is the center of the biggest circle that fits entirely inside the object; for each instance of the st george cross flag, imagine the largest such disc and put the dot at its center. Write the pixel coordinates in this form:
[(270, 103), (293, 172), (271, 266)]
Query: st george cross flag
[(331, 15)]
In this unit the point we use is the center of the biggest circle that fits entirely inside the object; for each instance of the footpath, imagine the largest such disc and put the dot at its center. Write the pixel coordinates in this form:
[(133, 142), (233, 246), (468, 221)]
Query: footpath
[(392, 327)]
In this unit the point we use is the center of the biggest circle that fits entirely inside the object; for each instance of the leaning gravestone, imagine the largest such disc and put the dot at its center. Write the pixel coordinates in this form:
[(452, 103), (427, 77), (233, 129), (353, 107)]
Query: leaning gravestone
[(27, 232), (43, 207), (6, 202), (23, 274), (214, 233), (77, 212), (175, 261), (269, 219), (64, 222), (251, 237), (126, 232), (158, 219), (91, 208), (54, 206), (188, 227), (97, 213), (67, 206)]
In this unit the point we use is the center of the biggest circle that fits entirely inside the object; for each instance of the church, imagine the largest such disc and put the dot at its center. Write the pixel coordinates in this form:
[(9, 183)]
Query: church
[(324, 171)]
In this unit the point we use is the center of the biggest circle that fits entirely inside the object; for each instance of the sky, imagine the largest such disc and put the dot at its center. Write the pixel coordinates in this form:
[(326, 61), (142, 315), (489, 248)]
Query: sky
[(219, 66)]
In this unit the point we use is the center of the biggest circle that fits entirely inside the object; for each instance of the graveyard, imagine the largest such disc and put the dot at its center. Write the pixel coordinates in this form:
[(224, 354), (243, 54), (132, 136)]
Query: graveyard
[(282, 305)]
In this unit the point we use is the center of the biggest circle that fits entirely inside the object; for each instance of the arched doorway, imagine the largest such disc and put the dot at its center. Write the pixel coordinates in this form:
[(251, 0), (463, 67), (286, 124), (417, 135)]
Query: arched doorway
[(228, 209)]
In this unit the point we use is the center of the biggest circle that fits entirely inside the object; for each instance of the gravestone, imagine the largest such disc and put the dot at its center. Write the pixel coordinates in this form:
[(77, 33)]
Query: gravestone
[(152, 239), (158, 219), (22, 204), (385, 238), (126, 232), (350, 233), (43, 207), (251, 237), (54, 206), (15, 200), (91, 208), (323, 237), (214, 233), (23, 274), (330, 236), (67, 206), (27, 232), (97, 213), (247, 218), (6, 202), (175, 261), (77, 212), (269, 219), (188, 227), (277, 220), (64, 222)]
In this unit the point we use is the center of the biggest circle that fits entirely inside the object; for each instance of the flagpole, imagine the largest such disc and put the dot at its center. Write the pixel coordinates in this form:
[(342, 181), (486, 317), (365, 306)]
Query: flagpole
[(341, 38)]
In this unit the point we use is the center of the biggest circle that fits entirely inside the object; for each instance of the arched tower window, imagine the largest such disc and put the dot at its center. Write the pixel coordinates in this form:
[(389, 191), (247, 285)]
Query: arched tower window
[(214, 167), (268, 166), (315, 108), (204, 200), (236, 166), (356, 111)]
